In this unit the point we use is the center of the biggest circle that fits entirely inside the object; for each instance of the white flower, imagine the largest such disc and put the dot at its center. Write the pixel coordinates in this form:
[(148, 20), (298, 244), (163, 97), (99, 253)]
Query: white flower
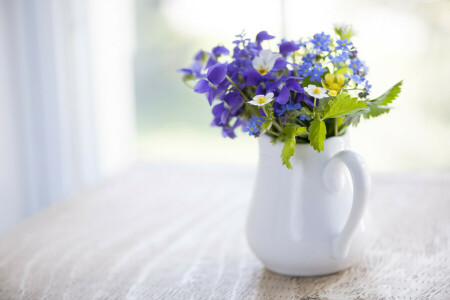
[(343, 28), (261, 100), (316, 92), (265, 61)]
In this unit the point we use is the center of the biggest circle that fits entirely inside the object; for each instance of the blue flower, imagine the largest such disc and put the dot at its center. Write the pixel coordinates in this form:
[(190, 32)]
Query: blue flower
[(321, 41), (259, 120), (316, 72), (309, 57), (356, 78), (343, 44), (252, 126), (304, 69), (343, 57), (367, 86), (355, 65)]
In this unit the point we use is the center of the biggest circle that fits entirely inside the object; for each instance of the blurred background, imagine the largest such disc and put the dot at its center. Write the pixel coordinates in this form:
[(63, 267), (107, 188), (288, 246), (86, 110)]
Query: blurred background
[(88, 88)]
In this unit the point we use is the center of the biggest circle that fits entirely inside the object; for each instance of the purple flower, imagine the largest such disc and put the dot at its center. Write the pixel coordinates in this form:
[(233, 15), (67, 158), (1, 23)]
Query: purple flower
[(204, 86), (228, 131), (263, 36), (220, 50), (217, 73), (234, 102), (290, 84), (287, 47)]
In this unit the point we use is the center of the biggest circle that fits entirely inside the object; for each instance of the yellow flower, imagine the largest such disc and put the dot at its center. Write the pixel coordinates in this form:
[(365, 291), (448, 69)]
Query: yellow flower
[(334, 84)]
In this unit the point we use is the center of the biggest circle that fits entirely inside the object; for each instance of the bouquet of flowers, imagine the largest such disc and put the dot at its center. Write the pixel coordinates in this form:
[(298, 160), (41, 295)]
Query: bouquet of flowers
[(306, 91)]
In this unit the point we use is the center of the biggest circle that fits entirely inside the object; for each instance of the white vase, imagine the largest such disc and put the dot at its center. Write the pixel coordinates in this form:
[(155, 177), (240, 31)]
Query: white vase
[(309, 220)]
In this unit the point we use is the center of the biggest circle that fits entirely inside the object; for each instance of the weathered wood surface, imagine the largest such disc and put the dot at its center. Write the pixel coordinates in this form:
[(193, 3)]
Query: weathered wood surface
[(177, 233)]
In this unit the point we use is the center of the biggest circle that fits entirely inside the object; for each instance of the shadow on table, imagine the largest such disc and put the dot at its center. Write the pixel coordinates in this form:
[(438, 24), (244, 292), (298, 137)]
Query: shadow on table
[(271, 284)]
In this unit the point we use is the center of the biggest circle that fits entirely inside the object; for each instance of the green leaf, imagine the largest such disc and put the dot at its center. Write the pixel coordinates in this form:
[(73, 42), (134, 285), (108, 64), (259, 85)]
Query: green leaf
[(379, 106), (351, 120), (306, 112), (343, 105), (390, 95), (317, 134), (297, 130), (288, 152), (290, 132), (375, 110)]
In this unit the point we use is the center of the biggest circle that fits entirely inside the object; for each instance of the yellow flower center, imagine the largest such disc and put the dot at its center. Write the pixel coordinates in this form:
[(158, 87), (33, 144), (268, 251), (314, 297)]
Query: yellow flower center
[(251, 128), (354, 65), (316, 90), (262, 70), (318, 43), (261, 99), (343, 44)]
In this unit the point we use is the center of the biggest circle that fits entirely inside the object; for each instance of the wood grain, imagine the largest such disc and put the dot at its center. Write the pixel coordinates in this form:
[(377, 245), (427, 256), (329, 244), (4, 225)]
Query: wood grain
[(176, 232)]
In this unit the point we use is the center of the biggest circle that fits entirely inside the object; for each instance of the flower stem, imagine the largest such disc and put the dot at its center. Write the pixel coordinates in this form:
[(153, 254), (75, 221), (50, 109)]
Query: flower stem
[(335, 127), (238, 89)]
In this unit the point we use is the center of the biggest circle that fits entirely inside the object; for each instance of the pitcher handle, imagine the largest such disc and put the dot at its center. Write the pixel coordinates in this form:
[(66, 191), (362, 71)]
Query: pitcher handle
[(361, 187)]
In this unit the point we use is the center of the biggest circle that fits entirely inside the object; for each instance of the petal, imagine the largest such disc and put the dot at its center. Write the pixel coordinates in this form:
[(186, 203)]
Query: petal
[(202, 86), (220, 50), (199, 55), (216, 74), (262, 36), (269, 95), (211, 62), (288, 47), (253, 78), (256, 62), (260, 90), (279, 64), (283, 97), (265, 55), (211, 95), (293, 85), (185, 71)]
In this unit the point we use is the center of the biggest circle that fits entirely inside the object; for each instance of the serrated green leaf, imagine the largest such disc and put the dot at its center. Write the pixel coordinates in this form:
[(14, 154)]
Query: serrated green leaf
[(323, 103), (317, 134), (379, 106), (297, 130), (375, 110), (390, 95), (351, 120), (343, 105)]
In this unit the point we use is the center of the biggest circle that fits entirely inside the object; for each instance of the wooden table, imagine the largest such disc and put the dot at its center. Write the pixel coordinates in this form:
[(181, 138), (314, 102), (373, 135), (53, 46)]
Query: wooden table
[(177, 232)]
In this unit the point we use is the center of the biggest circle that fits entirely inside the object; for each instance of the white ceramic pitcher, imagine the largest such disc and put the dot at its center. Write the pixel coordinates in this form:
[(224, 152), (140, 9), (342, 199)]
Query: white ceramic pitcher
[(309, 220)]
